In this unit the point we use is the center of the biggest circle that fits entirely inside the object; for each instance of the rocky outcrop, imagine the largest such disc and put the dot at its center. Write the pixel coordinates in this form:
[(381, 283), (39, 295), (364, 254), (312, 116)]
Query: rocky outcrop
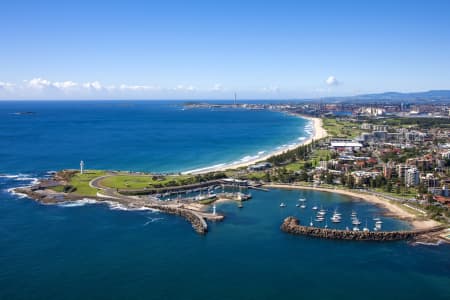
[(292, 225), (47, 197)]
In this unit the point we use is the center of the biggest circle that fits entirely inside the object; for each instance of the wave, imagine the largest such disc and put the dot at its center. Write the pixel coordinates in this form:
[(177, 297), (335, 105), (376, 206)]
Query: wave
[(152, 220), (14, 193), (21, 177), (438, 243), (111, 204), (77, 203)]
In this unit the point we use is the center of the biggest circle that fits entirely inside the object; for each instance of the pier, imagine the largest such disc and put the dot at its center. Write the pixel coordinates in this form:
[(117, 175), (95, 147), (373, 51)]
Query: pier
[(292, 225)]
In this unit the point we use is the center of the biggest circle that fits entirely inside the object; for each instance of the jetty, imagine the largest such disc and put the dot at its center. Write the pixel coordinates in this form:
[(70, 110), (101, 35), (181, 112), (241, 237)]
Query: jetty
[(292, 225)]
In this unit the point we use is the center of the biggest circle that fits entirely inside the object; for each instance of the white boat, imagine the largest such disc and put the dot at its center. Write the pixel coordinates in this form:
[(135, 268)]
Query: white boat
[(311, 223), (302, 199), (356, 222), (335, 220), (365, 229), (355, 228), (378, 225), (326, 224), (322, 212), (376, 219), (303, 206), (282, 204), (297, 205), (315, 207)]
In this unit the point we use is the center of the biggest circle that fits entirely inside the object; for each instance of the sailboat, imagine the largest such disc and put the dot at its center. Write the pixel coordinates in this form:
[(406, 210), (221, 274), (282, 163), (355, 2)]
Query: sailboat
[(365, 229), (311, 223), (282, 204)]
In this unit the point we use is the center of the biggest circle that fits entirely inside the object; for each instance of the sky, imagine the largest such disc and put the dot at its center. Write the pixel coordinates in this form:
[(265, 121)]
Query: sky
[(176, 49)]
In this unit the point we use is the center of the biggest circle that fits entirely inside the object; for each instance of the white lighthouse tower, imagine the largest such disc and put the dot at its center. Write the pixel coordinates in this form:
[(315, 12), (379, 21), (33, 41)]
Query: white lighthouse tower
[(81, 167)]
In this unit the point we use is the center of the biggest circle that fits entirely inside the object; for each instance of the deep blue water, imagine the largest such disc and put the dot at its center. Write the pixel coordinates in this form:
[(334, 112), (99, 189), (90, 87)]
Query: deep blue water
[(95, 252), (139, 135)]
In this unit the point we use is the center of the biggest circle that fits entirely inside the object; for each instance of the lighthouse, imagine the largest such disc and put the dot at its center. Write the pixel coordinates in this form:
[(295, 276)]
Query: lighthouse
[(81, 167)]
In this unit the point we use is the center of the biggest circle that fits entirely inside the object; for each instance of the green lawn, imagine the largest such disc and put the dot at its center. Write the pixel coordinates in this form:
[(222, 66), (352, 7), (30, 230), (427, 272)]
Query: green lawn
[(295, 166), (143, 181), (342, 129), (81, 182)]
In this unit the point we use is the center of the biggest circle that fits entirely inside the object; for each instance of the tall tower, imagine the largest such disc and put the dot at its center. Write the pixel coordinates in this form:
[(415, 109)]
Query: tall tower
[(81, 167), (234, 99)]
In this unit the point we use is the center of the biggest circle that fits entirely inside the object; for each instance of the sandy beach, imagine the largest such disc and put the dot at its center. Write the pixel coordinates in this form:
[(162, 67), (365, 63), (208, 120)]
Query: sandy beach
[(394, 209), (317, 133)]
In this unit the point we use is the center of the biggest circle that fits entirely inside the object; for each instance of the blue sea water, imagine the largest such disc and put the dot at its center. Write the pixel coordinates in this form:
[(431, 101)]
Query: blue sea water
[(94, 251)]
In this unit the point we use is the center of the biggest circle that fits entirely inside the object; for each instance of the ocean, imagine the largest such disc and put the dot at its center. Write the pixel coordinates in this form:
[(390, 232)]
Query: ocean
[(87, 250)]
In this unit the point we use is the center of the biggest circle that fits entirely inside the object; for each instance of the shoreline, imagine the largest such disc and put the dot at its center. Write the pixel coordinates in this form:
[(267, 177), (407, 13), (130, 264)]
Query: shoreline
[(318, 132), (393, 209)]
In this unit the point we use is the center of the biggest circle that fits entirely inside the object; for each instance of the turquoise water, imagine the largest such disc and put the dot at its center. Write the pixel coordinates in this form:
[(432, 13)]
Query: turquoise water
[(95, 252)]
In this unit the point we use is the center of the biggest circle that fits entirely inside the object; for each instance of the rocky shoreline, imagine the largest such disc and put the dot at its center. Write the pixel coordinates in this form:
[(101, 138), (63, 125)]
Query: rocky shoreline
[(292, 225), (46, 196)]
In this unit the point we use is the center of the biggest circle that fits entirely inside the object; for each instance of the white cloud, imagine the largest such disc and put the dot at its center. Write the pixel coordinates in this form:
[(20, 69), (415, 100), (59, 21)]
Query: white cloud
[(38, 83), (6, 85), (332, 81), (271, 89), (187, 88), (217, 88), (65, 84), (125, 87), (94, 85)]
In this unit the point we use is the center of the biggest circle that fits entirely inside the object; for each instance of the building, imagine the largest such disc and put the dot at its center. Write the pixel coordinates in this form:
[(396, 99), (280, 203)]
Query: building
[(346, 146), (260, 167), (412, 177), (401, 170)]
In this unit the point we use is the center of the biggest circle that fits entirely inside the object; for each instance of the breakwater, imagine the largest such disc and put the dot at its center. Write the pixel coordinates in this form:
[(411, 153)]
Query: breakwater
[(292, 225)]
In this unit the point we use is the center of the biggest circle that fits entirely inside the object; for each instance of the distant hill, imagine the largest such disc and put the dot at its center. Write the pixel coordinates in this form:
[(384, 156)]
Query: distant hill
[(433, 96)]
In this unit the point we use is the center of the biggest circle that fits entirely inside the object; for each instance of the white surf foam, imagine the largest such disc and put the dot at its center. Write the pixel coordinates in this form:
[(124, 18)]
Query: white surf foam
[(77, 203), (14, 193)]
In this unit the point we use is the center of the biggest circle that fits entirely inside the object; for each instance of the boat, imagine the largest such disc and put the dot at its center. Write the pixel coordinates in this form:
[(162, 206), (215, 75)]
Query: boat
[(319, 220), (240, 204), (311, 223), (297, 205), (282, 204), (356, 222), (365, 229), (378, 224), (303, 206), (335, 219), (326, 225), (302, 199), (355, 228), (315, 207)]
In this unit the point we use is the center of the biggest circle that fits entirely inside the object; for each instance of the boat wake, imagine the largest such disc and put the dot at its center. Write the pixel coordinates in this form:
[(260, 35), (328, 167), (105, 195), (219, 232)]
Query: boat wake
[(152, 220)]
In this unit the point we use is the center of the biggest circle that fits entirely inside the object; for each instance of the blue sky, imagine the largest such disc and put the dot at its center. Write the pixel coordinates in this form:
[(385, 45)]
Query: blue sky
[(209, 49)]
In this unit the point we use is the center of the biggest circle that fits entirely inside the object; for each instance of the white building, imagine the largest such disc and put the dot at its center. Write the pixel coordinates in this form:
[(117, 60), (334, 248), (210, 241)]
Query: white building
[(412, 177)]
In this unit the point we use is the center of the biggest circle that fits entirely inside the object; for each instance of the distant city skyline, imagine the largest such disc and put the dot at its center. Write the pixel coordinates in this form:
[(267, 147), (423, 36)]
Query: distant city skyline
[(211, 49)]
